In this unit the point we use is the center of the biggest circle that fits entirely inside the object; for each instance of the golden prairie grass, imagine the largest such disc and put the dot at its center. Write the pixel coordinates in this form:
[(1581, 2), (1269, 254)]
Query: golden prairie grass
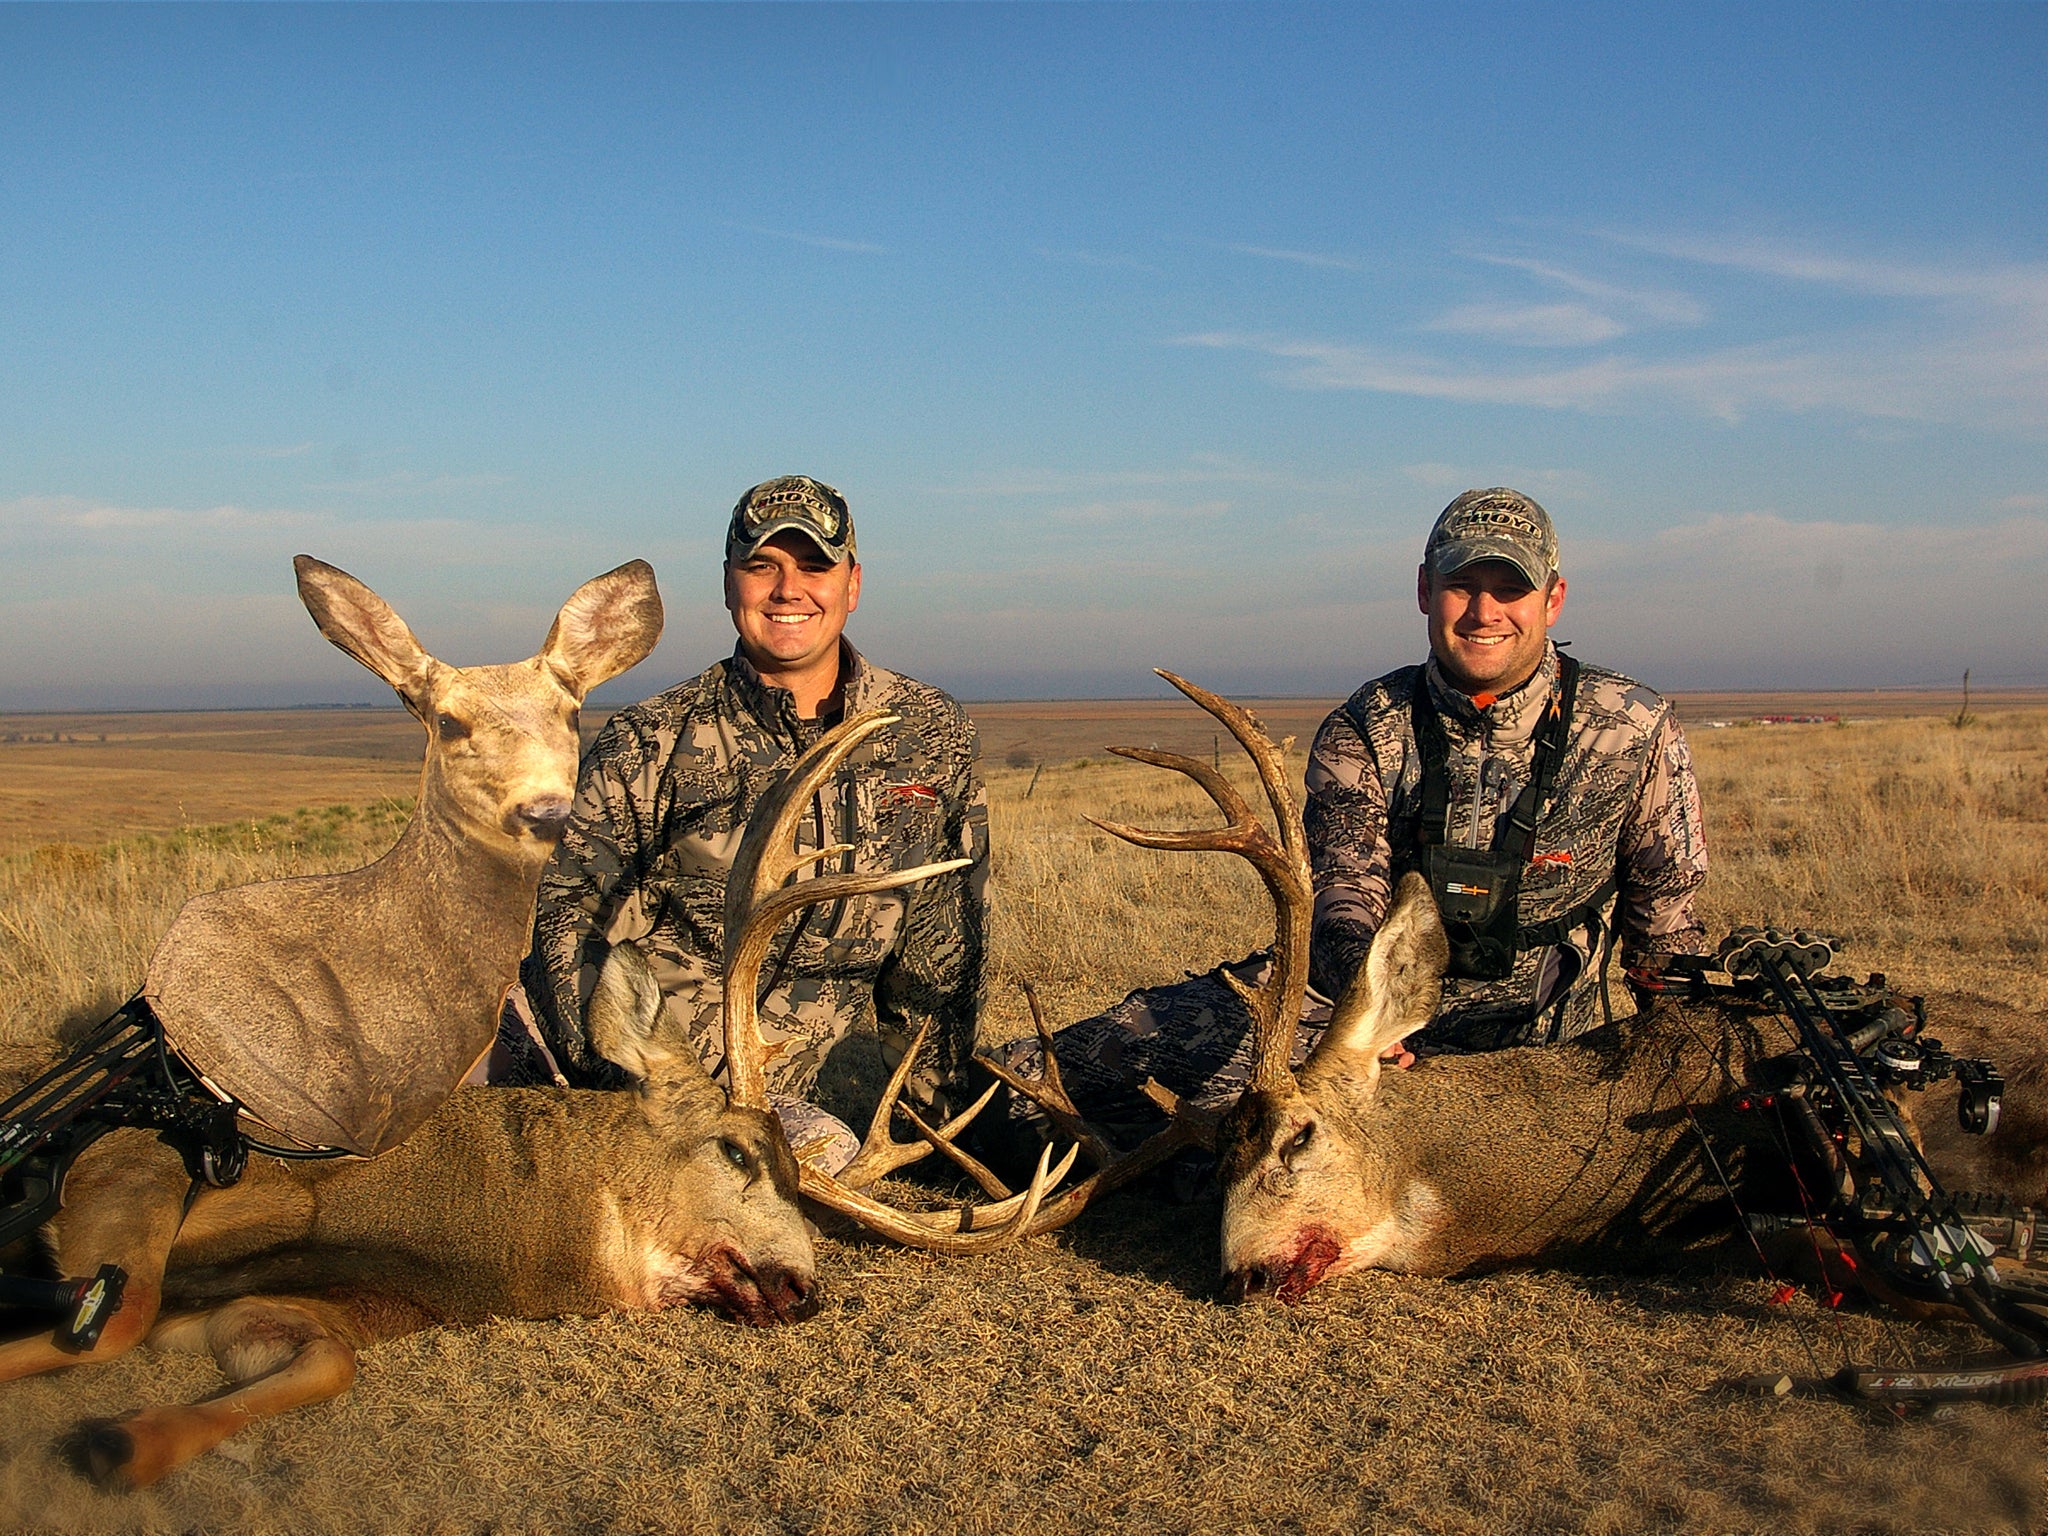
[(1090, 1379), (1924, 845), (78, 921)]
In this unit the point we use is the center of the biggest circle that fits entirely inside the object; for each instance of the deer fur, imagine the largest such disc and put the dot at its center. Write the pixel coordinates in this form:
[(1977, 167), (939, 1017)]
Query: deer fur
[(538, 1202), (1465, 1163), (340, 1009), (343, 1009)]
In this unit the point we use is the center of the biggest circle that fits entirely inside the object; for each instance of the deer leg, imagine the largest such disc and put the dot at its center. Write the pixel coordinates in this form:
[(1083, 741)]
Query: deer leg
[(123, 1202), (280, 1352)]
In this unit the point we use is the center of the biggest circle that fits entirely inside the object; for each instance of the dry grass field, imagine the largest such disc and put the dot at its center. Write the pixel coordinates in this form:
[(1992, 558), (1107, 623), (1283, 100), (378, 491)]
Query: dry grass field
[(1091, 1379)]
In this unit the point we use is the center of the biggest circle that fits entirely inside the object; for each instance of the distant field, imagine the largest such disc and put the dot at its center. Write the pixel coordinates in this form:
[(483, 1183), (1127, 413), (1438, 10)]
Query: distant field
[(84, 778)]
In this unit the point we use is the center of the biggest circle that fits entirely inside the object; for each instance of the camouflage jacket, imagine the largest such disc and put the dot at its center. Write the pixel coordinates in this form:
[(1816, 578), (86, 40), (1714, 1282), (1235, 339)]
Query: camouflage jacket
[(1626, 807), (662, 802)]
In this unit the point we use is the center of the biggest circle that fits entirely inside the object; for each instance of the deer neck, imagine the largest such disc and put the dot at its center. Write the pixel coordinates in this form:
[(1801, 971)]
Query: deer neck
[(455, 886)]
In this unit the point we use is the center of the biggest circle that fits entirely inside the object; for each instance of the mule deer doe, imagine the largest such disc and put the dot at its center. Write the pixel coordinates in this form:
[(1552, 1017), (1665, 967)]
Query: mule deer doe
[(533, 1202)]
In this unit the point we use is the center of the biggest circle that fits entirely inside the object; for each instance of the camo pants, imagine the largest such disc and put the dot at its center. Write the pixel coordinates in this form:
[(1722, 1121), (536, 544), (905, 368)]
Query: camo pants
[(1191, 1036)]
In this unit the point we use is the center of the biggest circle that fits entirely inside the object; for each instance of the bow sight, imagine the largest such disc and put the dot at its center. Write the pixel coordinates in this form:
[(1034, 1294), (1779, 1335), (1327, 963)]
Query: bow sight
[(1860, 1170)]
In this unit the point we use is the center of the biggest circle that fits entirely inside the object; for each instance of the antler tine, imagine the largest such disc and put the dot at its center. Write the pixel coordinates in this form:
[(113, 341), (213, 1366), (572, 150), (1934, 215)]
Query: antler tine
[(1185, 1127), (1268, 759), (756, 902), (745, 1052), (1219, 789), (1282, 865), (952, 1231), (881, 1154)]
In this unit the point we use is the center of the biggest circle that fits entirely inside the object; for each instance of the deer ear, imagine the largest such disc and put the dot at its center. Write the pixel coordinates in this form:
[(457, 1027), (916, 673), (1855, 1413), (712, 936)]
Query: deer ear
[(363, 624), (608, 624), (1398, 988), (629, 1027), (625, 1011)]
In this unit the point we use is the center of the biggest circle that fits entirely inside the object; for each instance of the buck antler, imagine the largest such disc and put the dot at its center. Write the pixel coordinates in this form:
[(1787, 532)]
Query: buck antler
[(1274, 1005), (756, 902)]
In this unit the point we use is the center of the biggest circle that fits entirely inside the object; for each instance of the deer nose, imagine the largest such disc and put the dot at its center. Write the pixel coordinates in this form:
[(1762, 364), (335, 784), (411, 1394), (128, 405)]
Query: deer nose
[(543, 815), (1248, 1284), (790, 1296)]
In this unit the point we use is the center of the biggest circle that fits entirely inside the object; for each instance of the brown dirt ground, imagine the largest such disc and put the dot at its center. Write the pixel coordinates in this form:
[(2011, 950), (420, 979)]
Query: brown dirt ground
[(1087, 1380), (1081, 1383)]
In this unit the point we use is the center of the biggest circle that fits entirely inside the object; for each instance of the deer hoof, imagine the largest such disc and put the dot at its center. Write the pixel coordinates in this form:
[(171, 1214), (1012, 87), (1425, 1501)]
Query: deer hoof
[(107, 1455)]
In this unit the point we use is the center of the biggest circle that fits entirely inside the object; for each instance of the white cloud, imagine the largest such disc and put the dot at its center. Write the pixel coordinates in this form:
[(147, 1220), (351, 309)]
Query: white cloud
[(1662, 306), (1953, 344), (1531, 325), (1298, 258), (2013, 284), (821, 242), (82, 515), (1979, 380)]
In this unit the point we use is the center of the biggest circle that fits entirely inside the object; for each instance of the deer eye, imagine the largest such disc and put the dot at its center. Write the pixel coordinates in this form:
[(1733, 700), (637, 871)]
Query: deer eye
[(1302, 1138), (735, 1154), (449, 728)]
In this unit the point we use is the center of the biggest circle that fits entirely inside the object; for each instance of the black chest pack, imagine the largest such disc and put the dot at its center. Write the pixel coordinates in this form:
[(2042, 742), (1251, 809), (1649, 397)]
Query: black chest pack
[(1478, 890)]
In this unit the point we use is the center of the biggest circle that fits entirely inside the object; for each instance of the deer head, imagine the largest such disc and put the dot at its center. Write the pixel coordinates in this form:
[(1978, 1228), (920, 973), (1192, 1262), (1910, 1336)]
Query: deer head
[(502, 743), (1303, 1164), (717, 1213), (1307, 1188)]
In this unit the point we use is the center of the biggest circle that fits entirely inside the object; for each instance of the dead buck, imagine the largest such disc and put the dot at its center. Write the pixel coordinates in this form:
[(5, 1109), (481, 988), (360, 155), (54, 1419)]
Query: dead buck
[(536, 1202), (1461, 1163)]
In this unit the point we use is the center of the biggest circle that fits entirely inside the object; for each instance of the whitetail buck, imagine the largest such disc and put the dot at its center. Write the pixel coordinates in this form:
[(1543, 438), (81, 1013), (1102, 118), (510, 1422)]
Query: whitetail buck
[(536, 1202), (1471, 1161)]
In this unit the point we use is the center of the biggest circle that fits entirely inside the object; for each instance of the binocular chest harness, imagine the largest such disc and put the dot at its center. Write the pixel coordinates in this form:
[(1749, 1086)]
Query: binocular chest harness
[(1478, 890)]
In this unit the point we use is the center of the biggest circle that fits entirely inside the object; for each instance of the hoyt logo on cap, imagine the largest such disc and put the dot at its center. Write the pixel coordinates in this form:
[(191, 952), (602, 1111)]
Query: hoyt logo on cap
[(810, 507), (1496, 524)]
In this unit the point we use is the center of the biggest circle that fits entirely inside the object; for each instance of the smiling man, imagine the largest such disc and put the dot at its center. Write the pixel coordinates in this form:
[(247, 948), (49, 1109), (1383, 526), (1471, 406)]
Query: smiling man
[(663, 799), (1551, 805)]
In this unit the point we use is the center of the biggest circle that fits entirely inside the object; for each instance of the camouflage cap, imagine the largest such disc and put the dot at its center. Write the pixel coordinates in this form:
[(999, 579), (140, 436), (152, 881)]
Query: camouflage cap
[(1496, 524), (811, 507)]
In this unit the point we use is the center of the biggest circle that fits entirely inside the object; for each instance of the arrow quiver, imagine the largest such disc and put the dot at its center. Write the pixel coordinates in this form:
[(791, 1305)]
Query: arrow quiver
[(1864, 1177)]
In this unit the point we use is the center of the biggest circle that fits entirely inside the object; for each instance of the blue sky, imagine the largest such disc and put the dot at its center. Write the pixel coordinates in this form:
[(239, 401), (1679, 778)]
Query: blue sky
[(1142, 335)]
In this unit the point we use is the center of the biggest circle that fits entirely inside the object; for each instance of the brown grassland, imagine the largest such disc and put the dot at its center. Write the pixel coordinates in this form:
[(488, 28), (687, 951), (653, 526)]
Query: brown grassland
[(1091, 1379)]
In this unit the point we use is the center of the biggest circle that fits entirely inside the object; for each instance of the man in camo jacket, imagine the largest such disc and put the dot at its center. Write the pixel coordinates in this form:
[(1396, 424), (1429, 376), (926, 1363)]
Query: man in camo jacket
[(664, 796), (1618, 847)]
